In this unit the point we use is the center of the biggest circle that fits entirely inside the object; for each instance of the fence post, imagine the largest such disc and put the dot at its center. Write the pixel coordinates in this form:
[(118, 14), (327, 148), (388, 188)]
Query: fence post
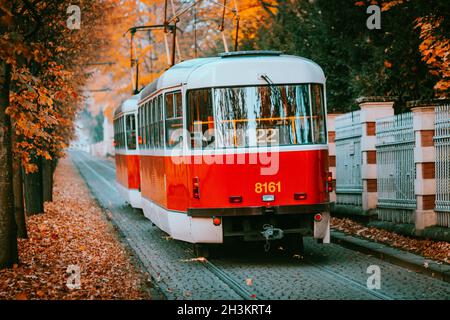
[(424, 159), (372, 108), (332, 150)]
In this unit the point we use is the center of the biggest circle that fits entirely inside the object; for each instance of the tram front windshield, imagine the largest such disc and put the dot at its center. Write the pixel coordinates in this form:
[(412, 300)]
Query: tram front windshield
[(270, 115)]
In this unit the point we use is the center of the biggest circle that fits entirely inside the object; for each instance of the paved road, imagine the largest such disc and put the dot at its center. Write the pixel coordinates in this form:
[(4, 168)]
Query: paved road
[(326, 271)]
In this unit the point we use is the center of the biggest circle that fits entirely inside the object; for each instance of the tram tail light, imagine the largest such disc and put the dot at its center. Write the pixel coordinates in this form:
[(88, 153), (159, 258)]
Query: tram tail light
[(217, 221), (318, 217), (300, 196), (236, 199), (329, 182), (196, 188)]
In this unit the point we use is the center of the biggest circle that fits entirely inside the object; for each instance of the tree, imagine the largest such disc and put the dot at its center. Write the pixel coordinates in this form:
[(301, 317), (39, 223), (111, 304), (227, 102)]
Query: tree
[(357, 61), (42, 75), (8, 241)]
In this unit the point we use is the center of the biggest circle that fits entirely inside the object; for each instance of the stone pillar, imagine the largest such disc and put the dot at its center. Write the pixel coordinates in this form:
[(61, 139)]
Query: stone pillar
[(424, 158), (372, 109), (332, 151)]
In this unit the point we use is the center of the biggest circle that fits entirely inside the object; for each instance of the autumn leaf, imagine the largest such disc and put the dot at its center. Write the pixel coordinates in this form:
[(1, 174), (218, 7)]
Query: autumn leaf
[(21, 296)]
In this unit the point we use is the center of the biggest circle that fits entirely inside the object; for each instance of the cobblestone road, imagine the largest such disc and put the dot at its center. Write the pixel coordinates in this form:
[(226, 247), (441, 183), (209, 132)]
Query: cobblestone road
[(326, 271)]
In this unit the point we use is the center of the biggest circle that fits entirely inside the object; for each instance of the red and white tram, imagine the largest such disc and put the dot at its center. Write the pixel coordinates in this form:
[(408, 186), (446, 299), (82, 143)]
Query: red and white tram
[(127, 151), (235, 146)]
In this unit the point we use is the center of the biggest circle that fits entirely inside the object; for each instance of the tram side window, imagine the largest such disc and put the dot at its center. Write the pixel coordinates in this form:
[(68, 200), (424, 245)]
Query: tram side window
[(147, 120), (115, 133), (122, 136), (318, 112), (200, 118), (140, 137), (141, 127), (119, 134), (154, 131), (160, 122), (145, 125), (174, 119), (130, 123), (123, 133)]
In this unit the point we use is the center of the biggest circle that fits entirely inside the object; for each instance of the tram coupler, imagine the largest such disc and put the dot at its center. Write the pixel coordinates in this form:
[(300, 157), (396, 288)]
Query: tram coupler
[(271, 233)]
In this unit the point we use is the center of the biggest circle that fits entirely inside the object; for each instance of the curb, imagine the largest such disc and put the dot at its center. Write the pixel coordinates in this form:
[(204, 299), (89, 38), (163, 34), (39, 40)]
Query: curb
[(399, 257)]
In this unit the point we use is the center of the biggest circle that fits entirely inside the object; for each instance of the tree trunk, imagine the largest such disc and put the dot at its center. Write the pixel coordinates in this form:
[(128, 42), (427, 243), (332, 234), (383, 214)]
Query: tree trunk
[(19, 209), (47, 180), (8, 240), (33, 190)]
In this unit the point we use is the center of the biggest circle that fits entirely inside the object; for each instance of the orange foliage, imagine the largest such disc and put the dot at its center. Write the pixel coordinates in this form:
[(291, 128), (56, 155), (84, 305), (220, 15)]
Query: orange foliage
[(435, 46), (202, 23), (47, 71)]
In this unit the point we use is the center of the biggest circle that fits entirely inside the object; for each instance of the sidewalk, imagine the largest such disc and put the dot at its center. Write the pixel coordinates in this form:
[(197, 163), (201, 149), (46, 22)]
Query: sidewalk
[(425, 256), (72, 231)]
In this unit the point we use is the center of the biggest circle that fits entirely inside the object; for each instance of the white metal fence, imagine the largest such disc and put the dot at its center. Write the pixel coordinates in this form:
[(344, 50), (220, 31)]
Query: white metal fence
[(396, 168), (348, 159), (442, 145)]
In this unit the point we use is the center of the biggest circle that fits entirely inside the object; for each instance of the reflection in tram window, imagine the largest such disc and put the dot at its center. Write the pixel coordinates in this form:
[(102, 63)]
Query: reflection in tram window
[(318, 114), (275, 115), (200, 117), (174, 119)]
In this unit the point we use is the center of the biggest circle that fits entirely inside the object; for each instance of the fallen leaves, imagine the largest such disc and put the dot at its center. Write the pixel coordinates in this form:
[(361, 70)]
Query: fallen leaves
[(72, 231), (436, 250)]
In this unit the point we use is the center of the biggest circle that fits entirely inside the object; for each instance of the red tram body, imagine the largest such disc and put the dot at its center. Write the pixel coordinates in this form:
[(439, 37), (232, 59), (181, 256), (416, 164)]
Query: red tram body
[(234, 146)]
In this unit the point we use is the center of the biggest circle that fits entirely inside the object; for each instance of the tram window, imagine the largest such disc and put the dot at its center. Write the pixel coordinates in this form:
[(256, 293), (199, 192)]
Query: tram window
[(276, 115), (264, 115), (160, 117), (142, 126), (149, 124), (155, 123), (148, 107), (140, 136), (318, 112), (174, 119), (119, 133), (130, 123), (200, 117), (115, 132), (169, 105)]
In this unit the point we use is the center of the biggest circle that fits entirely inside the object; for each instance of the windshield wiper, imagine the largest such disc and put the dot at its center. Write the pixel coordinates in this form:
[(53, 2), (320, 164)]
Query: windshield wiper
[(275, 90)]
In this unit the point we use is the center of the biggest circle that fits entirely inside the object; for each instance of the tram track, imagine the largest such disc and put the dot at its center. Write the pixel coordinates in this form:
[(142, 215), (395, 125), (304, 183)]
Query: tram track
[(343, 279)]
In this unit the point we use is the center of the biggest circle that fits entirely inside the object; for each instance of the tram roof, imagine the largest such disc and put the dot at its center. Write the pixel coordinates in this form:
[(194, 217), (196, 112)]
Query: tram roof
[(226, 70), (127, 105)]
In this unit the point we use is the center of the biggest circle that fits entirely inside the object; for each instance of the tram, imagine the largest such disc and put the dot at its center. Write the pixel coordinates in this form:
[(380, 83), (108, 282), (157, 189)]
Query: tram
[(127, 151), (234, 147)]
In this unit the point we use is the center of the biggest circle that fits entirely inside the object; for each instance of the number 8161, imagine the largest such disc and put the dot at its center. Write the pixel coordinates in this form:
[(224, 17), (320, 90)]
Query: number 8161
[(266, 187)]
